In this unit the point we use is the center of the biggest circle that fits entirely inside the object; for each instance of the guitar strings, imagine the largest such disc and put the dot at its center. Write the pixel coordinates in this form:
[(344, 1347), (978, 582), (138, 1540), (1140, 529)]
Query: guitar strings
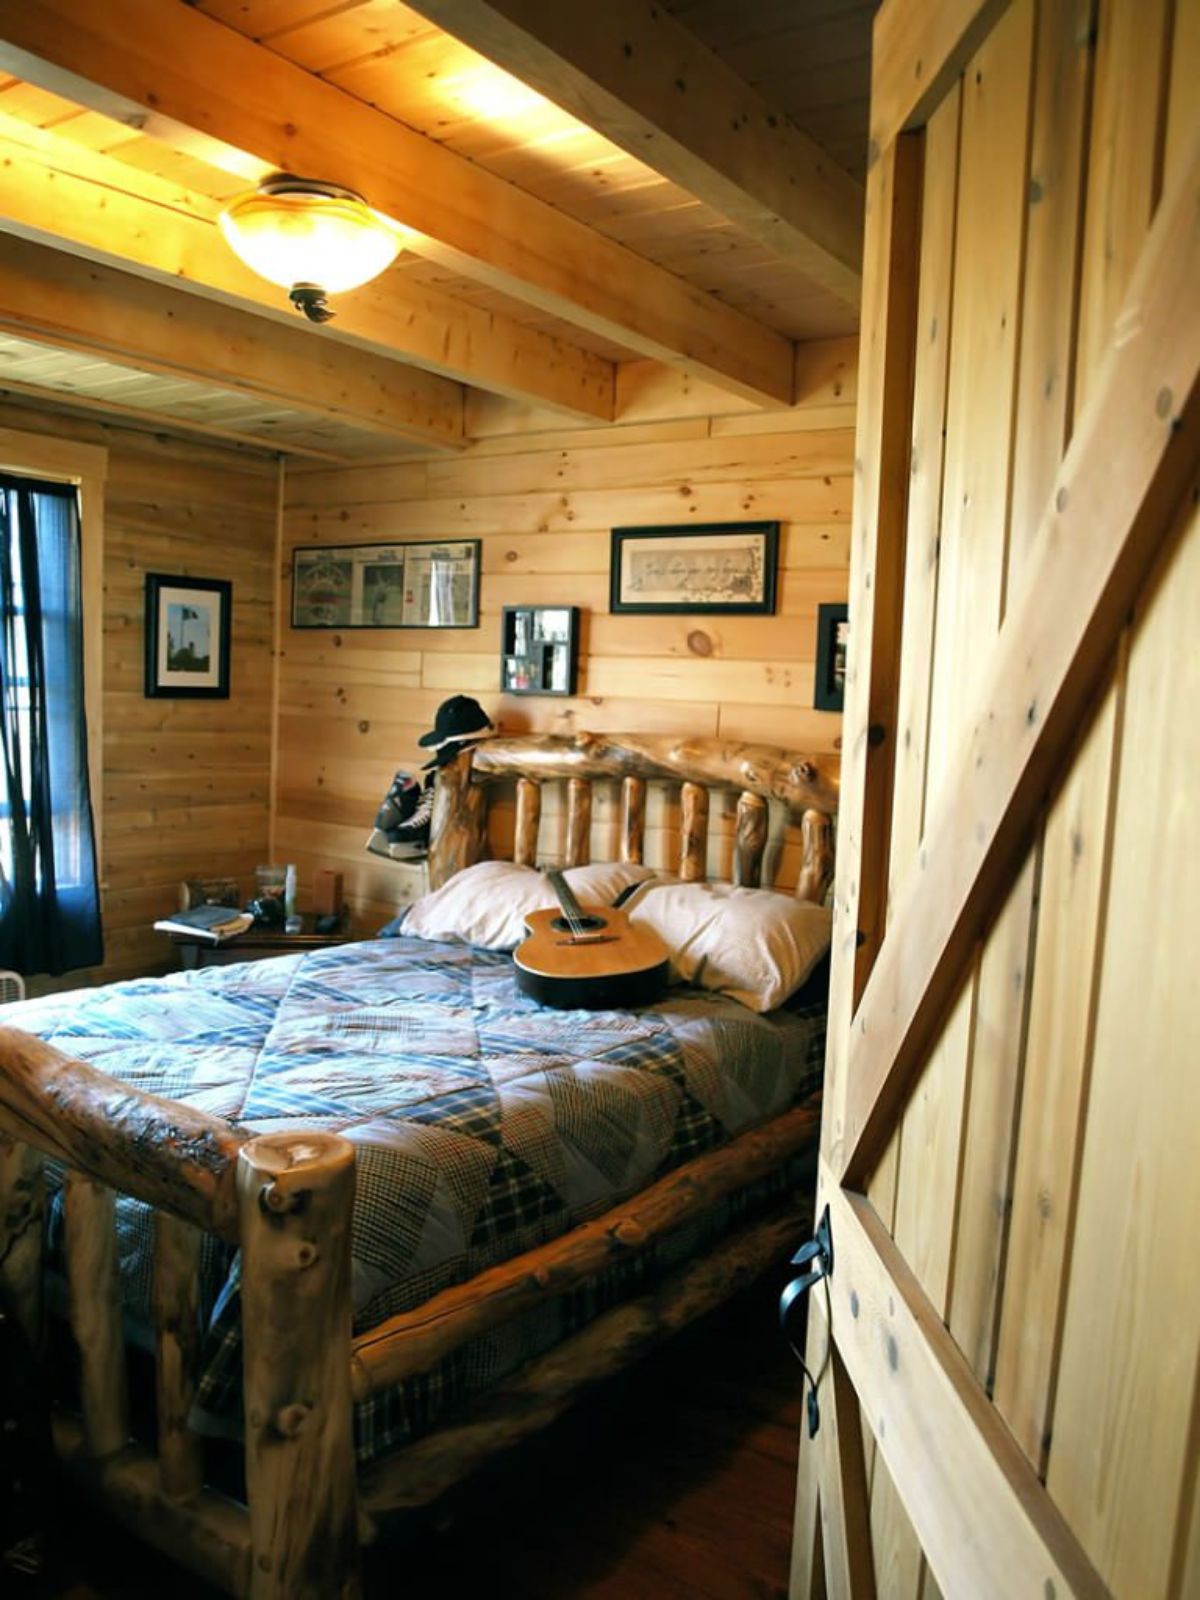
[(567, 900)]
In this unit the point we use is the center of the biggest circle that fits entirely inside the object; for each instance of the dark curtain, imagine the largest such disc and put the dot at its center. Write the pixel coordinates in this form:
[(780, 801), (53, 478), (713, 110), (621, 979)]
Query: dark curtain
[(49, 901)]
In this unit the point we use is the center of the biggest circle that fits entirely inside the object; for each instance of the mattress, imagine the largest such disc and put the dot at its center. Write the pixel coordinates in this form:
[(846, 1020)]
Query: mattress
[(484, 1124)]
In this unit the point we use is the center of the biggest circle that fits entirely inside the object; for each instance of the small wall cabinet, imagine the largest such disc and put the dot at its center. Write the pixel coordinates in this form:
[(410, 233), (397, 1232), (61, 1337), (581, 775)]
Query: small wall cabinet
[(539, 648)]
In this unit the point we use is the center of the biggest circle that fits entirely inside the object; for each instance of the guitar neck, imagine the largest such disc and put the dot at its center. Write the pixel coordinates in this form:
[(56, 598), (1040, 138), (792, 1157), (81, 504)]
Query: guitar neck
[(566, 898)]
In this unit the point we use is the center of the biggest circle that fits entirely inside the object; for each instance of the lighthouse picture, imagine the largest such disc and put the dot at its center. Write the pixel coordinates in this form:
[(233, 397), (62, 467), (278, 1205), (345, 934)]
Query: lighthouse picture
[(188, 635)]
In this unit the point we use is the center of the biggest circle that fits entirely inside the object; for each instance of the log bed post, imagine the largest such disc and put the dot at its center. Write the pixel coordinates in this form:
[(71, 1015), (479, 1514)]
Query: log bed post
[(296, 1197), (816, 874), (633, 819), (529, 816), (458, 829), (177, 1322), (693, 849), (579, 822), (95, 1303), (751, 839), (22, 1209)]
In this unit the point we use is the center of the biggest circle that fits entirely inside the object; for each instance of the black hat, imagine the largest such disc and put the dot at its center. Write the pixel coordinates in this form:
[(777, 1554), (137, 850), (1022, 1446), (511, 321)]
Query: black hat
[(460, 717)]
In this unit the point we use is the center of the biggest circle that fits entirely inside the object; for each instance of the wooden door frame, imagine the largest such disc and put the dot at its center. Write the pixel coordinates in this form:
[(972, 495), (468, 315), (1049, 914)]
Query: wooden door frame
[(975, 1501)]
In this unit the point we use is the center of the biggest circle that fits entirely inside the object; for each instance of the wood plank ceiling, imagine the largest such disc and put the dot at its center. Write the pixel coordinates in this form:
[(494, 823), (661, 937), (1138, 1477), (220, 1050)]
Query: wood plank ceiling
[(544, 253)]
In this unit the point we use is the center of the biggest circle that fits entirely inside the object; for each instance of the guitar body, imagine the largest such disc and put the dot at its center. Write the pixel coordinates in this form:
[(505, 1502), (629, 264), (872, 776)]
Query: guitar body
[(593, 959)]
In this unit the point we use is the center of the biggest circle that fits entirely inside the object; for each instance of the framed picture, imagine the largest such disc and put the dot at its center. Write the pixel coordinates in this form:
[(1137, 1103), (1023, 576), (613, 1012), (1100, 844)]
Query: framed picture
[(833, 630), (187, 637), (432, 584), (726, 567), (539, 649)]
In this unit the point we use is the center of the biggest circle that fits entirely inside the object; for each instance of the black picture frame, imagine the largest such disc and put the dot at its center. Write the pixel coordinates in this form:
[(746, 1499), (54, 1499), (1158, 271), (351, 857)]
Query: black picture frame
[(539, 649), (833, 623), (370, 584), (732, 569), (188, 631)]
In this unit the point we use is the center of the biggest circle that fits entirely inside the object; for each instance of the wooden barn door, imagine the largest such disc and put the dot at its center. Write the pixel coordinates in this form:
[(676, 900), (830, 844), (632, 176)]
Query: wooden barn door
[(1009, 1344)]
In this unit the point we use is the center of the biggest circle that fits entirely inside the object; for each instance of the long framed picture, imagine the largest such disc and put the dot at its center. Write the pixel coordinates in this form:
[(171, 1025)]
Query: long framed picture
[(187, 637), (833, 630), (430, 584), (719, 566)]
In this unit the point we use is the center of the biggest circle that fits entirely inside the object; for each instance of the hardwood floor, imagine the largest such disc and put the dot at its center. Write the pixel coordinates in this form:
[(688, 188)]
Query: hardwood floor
[(672, 1483)]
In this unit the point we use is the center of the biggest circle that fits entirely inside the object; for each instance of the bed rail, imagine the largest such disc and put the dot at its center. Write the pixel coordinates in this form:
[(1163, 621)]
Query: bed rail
[(414, 1341), (287, 1200), (806, 786), (176, 1159)]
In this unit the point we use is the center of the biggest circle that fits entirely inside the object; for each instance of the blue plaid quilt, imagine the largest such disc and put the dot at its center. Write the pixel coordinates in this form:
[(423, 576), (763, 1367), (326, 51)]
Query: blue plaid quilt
[(484, 1123)]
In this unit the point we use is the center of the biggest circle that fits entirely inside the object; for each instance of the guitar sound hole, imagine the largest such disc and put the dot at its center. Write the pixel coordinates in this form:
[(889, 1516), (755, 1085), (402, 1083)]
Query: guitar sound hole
[(584, 925)]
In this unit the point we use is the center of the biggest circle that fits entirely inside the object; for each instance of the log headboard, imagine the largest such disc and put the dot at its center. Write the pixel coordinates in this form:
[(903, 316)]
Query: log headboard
[(805, 786)]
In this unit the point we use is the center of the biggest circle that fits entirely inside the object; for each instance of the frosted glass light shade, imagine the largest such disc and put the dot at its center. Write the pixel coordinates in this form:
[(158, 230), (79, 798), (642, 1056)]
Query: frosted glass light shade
[(292, 232)]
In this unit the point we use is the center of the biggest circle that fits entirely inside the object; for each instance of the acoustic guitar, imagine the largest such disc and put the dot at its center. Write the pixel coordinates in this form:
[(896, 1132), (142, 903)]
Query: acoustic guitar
[(590, 957)]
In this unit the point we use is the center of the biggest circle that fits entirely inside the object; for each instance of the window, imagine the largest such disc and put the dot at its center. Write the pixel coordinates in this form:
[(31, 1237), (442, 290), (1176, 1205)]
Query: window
[(49, 902)]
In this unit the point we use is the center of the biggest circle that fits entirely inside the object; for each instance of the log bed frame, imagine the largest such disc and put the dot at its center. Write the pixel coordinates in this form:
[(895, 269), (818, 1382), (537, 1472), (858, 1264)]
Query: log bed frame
[(285, 1199)]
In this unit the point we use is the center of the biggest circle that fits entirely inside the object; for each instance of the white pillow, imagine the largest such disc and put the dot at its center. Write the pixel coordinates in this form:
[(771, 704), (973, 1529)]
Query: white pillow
[(485, 905), (752, 944)]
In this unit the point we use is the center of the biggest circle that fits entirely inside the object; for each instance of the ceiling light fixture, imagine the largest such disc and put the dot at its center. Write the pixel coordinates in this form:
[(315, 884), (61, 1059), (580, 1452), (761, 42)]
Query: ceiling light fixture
[(311, 238)]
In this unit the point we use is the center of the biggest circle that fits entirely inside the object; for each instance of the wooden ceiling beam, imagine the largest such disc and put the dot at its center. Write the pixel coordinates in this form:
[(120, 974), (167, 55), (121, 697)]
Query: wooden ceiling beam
[(635, 74), (56, 299), (97, 206), (216, 93)]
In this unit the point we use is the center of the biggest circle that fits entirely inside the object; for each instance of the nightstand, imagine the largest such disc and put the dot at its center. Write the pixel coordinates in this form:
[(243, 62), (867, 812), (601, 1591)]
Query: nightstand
[(256, 945)]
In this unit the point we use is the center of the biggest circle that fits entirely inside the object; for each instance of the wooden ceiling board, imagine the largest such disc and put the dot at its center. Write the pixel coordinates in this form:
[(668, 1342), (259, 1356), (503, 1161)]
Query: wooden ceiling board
[(441, 88), (260, 18), (68, 377), (811, 57), (340, 39)]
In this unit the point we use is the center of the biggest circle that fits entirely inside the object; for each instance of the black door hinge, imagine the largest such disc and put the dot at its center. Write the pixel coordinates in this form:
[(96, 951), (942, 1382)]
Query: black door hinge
[(817, 1257)]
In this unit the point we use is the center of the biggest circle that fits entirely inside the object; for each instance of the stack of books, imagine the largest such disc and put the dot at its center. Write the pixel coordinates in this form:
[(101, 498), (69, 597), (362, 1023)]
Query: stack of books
[(214, 924)]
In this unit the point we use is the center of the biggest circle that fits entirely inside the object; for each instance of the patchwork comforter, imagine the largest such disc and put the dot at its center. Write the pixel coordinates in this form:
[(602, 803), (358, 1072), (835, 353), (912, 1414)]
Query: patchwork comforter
[(484, 1124)]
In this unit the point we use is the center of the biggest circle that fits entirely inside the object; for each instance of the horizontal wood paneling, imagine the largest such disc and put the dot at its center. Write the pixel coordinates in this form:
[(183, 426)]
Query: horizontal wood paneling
[(353, 704), (185, 785)]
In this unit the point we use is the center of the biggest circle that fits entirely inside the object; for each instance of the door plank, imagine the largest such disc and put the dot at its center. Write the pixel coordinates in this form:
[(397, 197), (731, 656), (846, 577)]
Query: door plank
[(877, 565), (998, 1054), (1124, 167), (1074, 884), (1122, 1454), (939, 205), (1126, 468), (987, 1526), (845, 1524), (1050, 295), (917, 52), (983, 357)]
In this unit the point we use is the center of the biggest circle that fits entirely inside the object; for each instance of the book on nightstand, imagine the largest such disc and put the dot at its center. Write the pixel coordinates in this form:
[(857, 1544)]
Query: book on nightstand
[(214, 923)]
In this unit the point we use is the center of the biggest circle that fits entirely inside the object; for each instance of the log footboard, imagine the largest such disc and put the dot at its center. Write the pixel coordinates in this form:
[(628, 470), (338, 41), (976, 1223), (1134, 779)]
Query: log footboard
[(287, 1200)]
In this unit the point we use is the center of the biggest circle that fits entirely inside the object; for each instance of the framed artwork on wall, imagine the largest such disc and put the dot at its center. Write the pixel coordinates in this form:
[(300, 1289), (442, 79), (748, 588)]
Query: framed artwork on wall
[(707, 567), (539, 649), (430, 584), (187, 637), (833, 629)]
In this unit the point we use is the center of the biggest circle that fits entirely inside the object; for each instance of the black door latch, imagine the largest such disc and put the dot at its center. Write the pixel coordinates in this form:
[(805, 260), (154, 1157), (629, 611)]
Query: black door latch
[(817, 1257)]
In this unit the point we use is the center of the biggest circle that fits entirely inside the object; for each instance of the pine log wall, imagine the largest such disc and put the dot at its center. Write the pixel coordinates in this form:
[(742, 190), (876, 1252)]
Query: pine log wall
[(543, 499), (1043, 1183), (185, 783)]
